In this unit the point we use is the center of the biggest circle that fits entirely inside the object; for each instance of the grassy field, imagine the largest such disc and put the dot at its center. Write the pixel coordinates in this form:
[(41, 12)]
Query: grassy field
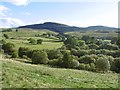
[(94, 34), (20, 74), (20, 39)]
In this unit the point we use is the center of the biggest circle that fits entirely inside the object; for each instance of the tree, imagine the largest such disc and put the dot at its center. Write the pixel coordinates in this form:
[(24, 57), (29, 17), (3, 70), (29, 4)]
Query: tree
[(8, 48), (39, 57), (6, 36), (67, 60), (39, 41)]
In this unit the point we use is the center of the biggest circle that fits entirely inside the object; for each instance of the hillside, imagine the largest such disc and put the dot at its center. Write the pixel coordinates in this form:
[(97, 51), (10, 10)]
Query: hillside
[(20, 74), (61, 28)]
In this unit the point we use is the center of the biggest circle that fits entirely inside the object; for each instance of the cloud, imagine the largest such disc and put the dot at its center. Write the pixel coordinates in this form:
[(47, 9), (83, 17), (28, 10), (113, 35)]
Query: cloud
[(3, 11), (19, 2), (10, 22)]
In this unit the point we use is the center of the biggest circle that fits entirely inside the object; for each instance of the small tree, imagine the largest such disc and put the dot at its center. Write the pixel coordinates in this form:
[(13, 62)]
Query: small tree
[(6, 36), (67, 60), (39, 41), (39, 57)]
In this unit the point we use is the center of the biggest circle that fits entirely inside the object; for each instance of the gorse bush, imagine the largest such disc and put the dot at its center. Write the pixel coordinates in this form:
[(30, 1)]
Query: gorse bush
[(39, 57)]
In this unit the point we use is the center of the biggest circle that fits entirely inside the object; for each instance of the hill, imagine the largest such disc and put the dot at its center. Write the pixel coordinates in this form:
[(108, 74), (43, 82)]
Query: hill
[(61, 28), (18, 74)]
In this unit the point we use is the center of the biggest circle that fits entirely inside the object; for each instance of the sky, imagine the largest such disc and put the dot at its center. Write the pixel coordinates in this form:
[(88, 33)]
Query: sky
[(81, 13)]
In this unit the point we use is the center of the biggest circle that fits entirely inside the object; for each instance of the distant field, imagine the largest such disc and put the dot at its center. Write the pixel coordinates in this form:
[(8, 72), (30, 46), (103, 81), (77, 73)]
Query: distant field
[(21, 75), (20, 39), (97, 34)]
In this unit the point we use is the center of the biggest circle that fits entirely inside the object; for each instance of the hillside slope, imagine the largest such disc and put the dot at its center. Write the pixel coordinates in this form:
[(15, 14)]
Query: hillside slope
[(61, 28), (19, 74)]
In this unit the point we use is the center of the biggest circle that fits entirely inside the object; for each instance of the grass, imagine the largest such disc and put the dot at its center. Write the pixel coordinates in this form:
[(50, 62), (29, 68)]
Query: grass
[(16, 74), (20, 39), (94, 34)]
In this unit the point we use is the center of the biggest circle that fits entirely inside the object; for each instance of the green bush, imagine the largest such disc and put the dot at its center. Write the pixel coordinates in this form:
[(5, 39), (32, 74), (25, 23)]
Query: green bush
[(32, 41), (54, 62), (39, 57), (87, 59), (23, 51), (6, 36), (109, 46), (8, 48), (80, 53), (102, 63), (74, 64), (93, 46), (82, 66), (39, 41), (54, 54), (14, 54), (117, 64), (67, 60)]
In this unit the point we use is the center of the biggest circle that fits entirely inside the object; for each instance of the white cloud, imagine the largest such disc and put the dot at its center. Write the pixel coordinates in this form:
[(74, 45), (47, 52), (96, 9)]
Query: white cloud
[(3, 8), (3, 11), (10, 22), (19, 2)]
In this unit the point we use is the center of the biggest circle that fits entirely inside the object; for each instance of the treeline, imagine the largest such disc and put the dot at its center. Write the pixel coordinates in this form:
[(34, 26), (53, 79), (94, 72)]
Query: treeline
[(86, 53)]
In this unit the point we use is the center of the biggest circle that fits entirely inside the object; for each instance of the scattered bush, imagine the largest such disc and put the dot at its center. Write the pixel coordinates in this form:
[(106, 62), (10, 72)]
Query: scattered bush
[(39, 57), (24, 51), (74, 64), (87, 59), (39, 41), (8, 48), (102, 64), (32, 41), (6, 36)]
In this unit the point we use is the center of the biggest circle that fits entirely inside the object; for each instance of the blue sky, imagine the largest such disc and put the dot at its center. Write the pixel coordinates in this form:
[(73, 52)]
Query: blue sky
[(80, 14)]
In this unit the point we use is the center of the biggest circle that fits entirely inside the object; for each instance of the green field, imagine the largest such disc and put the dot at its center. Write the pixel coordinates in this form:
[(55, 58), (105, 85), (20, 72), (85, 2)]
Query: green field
[(20, 39), (16, 74), (94, 34)]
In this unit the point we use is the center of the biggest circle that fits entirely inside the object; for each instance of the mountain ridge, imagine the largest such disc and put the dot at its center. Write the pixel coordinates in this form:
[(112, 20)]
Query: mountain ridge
[(61, 28)]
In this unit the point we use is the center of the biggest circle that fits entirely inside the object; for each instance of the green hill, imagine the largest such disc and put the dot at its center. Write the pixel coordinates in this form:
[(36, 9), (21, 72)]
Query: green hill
[(16, 74)]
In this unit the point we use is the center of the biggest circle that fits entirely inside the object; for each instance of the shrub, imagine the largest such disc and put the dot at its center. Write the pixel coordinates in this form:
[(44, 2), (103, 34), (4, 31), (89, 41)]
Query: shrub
[(6, 36), (14, 54), (93, 46), (23, 51), (54, 54), (102, 64), (32, 41), (109, 46), (81, 53), (39, 57), (87, 59), (67, 60), (8, 48), (54, 62), (117, 64), (2, 41), (74, 64), (39, 41), (82, 66)]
